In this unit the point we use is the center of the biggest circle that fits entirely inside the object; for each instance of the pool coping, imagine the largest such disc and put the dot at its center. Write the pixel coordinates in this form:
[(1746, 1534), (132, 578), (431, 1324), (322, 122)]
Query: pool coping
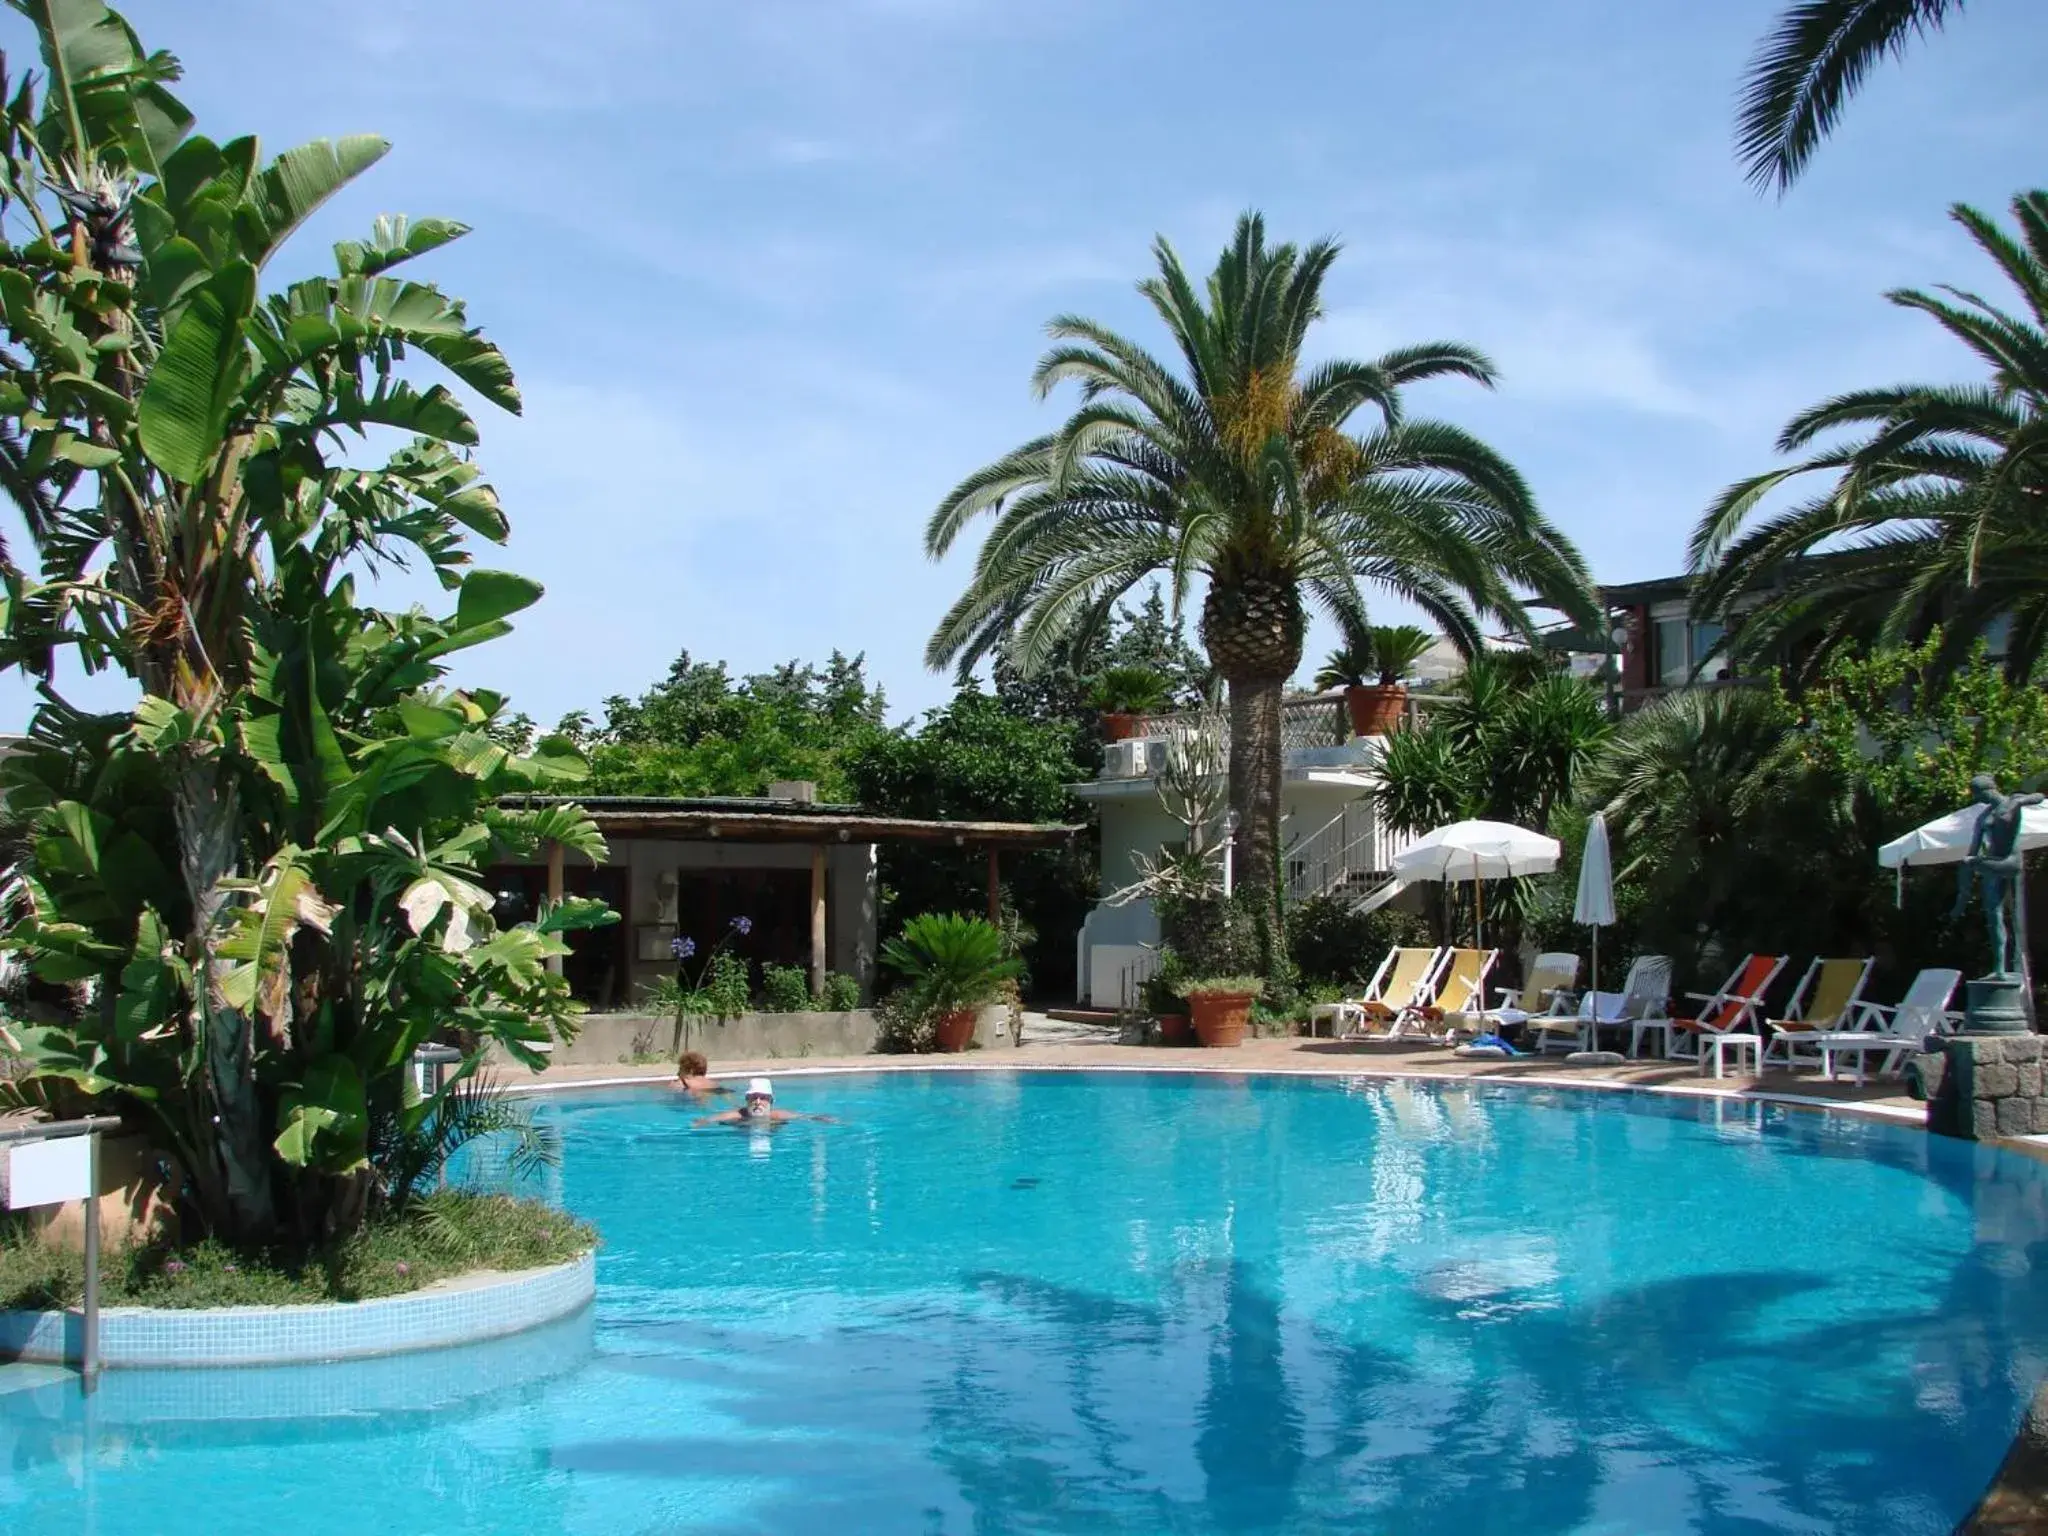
[(463, 1309), (1890, 1112), (2014, 1504)]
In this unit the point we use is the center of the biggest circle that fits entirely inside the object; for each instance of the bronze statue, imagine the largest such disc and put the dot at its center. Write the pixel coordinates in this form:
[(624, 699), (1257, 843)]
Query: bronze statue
[(1995, 859)]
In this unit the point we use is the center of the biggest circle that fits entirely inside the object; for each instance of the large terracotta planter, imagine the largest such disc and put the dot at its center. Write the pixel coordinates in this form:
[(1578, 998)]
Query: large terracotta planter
[(1117, 726), (1220, 1017), (1377, 709), (955, 1031), (1173, 1029)]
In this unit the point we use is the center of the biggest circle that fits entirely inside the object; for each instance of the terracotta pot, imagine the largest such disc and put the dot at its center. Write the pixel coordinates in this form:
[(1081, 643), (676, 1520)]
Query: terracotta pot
[(955, 1031), (1117, 726), (1220, 1017), (1377, 709), (1173, 1029)]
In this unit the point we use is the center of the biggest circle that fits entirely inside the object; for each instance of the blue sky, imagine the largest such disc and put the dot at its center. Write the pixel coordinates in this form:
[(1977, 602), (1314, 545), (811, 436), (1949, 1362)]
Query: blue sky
[(773, 274)]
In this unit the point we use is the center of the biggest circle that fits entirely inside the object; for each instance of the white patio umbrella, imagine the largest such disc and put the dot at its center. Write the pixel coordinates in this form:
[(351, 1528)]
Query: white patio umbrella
[(1946, 839), (1476, 851)]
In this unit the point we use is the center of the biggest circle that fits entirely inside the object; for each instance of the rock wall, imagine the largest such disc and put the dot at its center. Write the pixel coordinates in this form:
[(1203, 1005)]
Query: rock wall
[(1982, 1087)]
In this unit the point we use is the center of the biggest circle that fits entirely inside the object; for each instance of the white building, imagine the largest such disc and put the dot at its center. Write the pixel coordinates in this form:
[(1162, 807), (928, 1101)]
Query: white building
[(1330, 841)]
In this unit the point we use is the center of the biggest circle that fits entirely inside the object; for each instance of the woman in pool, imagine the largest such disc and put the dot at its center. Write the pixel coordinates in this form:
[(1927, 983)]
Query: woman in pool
[(693, 1076), (758, 1108)]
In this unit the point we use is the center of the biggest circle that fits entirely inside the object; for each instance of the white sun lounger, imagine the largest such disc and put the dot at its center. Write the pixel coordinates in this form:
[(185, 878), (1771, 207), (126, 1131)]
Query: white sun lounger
[(1923, 1011)]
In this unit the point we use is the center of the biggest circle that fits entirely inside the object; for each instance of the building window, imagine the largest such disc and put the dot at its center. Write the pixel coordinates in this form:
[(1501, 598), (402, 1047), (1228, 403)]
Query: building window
[(1704, 638), (1674, 667), (1998, 638)]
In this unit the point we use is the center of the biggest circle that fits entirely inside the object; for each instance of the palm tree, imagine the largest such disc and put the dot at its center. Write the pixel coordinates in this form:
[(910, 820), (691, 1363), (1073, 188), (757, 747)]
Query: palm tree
[(1934, 512), (1807, 69), (1243, 469)]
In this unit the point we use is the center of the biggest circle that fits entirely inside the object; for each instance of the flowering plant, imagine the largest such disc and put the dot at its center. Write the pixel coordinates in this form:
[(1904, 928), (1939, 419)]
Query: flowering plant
[(721, 987)]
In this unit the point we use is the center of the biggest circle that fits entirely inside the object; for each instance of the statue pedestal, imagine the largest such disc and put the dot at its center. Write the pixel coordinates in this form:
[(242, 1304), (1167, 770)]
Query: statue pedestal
[(1982, 1087), (1995, 1005)]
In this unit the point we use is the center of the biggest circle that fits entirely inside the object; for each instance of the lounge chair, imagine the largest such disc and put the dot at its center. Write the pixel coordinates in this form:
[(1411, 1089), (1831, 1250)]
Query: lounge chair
[(1460, 997), (1824, 1000), (1923, 1011), (1731, 1016), (1549, 978), (1639, 1007), (1403, 977)]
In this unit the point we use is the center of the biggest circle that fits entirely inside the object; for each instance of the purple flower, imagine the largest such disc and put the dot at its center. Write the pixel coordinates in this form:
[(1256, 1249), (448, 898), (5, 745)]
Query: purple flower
[(174, 1266), (744, 925), (682, 949), (402, 1268)]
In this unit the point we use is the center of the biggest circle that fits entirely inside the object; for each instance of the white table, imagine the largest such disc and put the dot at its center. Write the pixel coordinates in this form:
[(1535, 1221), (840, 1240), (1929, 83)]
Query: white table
[(1750, 1042)]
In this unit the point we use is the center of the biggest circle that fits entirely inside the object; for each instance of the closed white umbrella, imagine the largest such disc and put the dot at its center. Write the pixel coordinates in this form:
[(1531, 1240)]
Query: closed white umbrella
[(1476, 851), (1595, 904)]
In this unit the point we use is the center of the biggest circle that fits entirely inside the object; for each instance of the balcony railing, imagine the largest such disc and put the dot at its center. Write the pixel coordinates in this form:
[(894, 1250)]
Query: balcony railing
[(1305, 724)]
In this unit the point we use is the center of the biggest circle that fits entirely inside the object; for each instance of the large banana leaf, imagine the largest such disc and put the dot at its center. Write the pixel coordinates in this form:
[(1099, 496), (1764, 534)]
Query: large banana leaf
[(393, 240), (324, 1119), (294, 185), (190, 396)]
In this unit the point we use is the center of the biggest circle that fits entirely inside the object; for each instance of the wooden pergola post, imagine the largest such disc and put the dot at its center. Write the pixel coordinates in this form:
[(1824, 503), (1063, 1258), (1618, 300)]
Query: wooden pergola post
[(554, 893), (817, 919), (995, 888)]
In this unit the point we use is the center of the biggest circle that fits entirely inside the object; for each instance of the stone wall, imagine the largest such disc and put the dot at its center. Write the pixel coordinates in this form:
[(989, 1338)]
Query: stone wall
[(1982, 1087), (616, 1039)]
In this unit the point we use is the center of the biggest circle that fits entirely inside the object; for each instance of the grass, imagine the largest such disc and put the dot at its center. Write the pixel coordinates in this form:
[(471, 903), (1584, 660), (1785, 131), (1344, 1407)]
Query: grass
[(444, 1234)]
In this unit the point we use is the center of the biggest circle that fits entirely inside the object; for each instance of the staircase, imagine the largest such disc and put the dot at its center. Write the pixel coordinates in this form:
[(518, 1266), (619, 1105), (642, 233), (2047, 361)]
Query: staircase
[(1350, 857)]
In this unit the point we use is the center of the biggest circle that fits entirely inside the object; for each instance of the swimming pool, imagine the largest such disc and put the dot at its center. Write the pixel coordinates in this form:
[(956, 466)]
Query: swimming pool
[(1093, 1302)]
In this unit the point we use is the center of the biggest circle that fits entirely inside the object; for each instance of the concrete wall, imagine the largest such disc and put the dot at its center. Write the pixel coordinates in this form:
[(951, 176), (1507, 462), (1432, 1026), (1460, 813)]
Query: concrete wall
[(616, 1039)]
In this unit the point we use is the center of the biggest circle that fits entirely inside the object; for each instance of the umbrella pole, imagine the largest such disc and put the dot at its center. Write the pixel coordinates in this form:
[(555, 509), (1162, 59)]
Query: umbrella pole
[(1478, 906), (1592, 1014), (2019, 923)]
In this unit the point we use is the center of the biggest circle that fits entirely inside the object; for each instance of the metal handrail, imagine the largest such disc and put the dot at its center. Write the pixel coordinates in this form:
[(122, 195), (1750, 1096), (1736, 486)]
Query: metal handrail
[(89, 1126), (49, 1130)]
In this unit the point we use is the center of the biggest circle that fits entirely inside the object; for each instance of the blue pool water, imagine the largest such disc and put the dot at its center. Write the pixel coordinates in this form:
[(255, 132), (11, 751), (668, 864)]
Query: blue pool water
[(1066, 1303)]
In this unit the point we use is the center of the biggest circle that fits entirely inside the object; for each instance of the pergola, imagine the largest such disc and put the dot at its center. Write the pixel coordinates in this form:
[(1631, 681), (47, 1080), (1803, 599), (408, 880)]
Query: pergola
[(785, 821)]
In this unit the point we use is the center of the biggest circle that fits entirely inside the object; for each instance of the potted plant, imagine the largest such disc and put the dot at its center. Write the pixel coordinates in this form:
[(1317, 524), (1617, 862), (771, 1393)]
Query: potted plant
[(1125, 695), (1168, 1008), (952, 965), (1221, 1006), (1382, 653)]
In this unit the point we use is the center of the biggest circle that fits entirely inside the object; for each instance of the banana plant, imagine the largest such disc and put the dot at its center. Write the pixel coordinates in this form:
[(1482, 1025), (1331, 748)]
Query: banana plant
[(271, 881)]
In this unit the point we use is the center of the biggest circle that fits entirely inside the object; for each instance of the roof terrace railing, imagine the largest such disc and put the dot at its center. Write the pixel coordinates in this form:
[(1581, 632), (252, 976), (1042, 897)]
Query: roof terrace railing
[(1306, 723)]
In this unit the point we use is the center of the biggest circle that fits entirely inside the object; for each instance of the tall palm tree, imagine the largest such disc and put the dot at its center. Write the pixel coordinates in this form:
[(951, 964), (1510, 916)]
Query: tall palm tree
[(1807, 69), (1935, 510), (1242, 469)]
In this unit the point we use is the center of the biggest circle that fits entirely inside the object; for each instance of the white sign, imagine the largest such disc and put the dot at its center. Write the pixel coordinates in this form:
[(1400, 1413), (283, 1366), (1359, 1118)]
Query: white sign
[(47, 1172)]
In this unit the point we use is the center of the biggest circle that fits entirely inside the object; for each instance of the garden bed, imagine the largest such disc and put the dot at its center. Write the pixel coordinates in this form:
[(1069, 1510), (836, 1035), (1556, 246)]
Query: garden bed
[(439, 1237)]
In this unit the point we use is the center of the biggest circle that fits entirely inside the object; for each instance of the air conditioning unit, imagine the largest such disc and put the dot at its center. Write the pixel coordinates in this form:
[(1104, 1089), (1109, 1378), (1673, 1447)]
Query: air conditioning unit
[(1124, 759)]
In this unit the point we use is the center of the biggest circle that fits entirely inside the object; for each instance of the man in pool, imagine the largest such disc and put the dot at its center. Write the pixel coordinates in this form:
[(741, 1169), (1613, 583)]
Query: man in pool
[(693, 1076), (758, 1108)]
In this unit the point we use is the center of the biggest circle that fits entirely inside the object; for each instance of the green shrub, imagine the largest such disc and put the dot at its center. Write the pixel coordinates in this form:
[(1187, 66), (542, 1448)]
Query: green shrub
[(841, 994), (785, 989), (1331, 941), (904, 1023)]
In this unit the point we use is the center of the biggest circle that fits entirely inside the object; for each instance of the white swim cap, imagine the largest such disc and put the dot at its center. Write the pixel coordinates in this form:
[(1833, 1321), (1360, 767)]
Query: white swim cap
[(761, 1086)]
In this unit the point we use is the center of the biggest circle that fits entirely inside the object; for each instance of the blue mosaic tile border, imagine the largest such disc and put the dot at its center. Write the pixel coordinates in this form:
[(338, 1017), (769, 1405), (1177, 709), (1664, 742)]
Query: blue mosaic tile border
[(142, 1337)]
